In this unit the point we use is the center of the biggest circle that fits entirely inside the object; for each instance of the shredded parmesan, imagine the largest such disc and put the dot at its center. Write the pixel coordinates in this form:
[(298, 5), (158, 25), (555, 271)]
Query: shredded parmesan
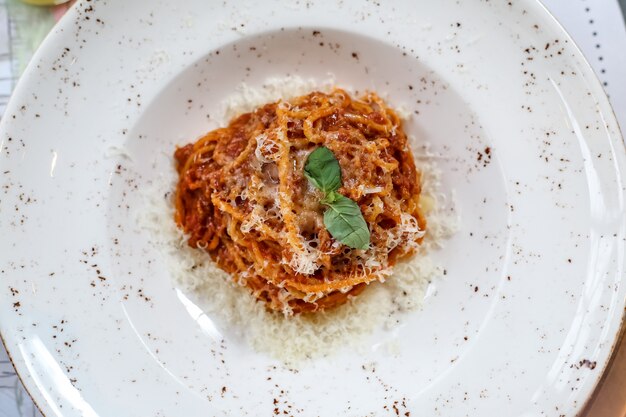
[(266, 149), (293, 338), (247, 98), (305, 260)]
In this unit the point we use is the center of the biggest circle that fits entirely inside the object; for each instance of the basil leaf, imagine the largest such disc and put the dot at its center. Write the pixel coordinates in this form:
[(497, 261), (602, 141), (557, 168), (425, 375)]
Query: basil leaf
[(330, 198), (343, 218), (345, 223), (323, 170)]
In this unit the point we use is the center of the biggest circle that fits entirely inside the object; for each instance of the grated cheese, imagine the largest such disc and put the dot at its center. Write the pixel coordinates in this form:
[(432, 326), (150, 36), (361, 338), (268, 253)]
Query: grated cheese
[(247, 98), (293, 338)]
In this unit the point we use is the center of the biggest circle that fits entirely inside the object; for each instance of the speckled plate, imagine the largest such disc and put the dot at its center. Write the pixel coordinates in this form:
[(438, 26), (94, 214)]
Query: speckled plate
[(522, 324)]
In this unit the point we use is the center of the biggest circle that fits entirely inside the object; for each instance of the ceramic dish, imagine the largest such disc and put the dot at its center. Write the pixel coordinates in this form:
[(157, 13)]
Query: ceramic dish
[(523, 322)]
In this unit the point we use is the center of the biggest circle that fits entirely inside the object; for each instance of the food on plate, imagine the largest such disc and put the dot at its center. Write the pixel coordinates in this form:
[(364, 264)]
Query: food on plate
[(304, 201)]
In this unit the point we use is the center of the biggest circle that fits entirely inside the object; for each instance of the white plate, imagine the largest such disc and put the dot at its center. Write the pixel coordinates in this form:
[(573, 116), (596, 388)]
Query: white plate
[(523, 323)]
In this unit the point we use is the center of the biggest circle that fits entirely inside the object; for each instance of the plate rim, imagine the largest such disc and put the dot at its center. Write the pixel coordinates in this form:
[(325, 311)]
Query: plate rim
[(621, 333), (582, 408)]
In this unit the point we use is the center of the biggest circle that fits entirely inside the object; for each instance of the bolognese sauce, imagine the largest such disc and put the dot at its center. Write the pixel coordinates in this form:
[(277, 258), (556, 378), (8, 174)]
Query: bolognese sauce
[(242, 197)]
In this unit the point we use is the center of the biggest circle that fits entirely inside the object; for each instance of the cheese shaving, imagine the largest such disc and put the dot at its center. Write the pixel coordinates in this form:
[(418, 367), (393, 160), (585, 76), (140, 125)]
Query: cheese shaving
[(286, 337)]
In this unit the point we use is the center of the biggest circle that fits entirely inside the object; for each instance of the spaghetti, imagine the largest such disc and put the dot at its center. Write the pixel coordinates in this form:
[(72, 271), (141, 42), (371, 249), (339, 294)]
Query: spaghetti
[(243, 198)]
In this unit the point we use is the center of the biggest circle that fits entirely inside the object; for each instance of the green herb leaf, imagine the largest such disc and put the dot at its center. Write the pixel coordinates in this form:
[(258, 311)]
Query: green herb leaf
[(330, 198), (345, 222), (323, 170), (343, 218)]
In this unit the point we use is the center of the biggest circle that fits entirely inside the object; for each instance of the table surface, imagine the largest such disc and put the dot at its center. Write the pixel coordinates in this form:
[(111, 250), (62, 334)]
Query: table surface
[(597, 26)]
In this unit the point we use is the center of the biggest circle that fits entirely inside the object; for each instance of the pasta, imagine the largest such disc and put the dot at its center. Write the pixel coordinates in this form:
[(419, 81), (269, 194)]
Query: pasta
[(242, 197)]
